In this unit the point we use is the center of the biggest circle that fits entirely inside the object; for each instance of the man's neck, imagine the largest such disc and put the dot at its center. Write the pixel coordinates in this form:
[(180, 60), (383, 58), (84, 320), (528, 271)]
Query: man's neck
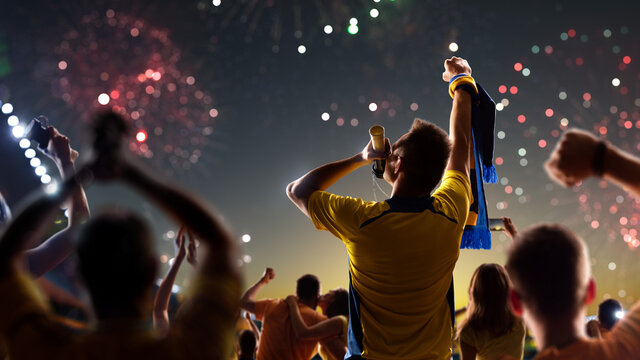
[(309, 303), (403, 189), (559, 333)]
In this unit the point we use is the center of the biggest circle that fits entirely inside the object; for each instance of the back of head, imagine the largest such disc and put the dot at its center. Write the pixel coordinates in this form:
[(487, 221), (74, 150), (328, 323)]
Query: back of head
[(549, 269), (425, 152), (247, 343), (488, 307), (115, 259), (308, 287), (608, 311), (340, 303)]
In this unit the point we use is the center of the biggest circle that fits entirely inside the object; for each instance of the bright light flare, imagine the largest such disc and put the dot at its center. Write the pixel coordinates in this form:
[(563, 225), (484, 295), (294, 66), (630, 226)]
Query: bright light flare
[(13, 120), (141, 136), (7, 108), (51, 188), (18, 131), (453, 47), (246, 238), (103, 99)]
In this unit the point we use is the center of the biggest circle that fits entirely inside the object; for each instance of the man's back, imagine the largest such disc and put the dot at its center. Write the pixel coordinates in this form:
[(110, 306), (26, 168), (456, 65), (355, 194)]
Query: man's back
[(277, 340), (402, 253), (623, 342)]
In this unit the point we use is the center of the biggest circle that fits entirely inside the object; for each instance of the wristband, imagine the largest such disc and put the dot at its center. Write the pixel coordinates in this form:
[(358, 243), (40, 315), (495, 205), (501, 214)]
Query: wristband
[(457, 76), (598, 158), (462, 79)]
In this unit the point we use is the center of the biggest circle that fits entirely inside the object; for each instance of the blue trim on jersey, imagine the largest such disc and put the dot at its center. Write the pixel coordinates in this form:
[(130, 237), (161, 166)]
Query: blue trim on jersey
[(452, 305), (354, 336), (408, 205)]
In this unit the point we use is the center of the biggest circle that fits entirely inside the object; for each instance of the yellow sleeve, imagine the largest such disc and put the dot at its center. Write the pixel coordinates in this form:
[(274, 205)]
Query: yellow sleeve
[(339, 215), (453, 197), (205, 323), (20, 298)]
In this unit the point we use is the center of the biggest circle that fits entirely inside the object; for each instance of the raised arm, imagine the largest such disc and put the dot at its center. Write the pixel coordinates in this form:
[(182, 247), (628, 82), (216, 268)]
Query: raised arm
[(509, 228), (184, 209), (208, 315), (321, 330), (161, 302), (321, 178), (54, 250), (252, 325), (460, 119), (580, 155), (248, 299), (28, 226)]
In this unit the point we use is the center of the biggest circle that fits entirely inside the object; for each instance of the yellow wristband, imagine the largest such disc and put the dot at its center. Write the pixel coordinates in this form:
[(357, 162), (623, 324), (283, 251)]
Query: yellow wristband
[(467, 79)]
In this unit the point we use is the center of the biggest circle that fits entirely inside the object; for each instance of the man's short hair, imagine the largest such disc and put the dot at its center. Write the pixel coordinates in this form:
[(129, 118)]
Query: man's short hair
[(549, 268), (308, 287), (425, 152), (608, 313), (116, 261), (247, 343)]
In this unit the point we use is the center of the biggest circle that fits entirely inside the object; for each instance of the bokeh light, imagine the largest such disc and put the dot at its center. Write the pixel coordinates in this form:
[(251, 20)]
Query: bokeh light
[(103, 99), (141, 136)]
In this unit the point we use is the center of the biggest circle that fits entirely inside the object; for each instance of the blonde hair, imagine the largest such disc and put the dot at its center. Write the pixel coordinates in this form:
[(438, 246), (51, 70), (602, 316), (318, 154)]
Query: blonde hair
[(488, 308)]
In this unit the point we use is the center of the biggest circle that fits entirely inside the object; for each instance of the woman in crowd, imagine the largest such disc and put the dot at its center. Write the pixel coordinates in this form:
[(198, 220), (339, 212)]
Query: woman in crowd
[(490, 330)]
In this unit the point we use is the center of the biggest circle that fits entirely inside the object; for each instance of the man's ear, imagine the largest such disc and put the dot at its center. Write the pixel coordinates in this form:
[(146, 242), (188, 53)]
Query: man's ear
[(515, 302), (399, 165), (591, 292)]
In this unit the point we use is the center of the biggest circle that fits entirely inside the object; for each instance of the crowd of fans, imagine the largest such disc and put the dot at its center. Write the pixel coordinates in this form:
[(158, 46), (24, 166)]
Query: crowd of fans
[(402, 253)]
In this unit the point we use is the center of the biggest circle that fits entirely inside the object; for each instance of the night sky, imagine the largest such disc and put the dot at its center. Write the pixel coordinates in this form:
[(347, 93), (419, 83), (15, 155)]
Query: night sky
[(235, 99)]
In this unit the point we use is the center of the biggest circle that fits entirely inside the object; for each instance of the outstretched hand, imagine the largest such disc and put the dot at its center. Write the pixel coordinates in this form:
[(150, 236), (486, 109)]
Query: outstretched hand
[(268, 275), (192, 251), (509, 228), (455, 66), (572, 159), (59, 149), (179, 244)]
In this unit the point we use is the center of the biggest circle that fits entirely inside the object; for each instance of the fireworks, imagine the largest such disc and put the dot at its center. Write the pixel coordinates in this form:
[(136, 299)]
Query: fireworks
[(282, 18), (125, 64), (590, 80)]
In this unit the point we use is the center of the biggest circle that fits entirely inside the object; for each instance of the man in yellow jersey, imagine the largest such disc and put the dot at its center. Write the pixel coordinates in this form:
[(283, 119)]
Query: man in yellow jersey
[(402, 251)]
